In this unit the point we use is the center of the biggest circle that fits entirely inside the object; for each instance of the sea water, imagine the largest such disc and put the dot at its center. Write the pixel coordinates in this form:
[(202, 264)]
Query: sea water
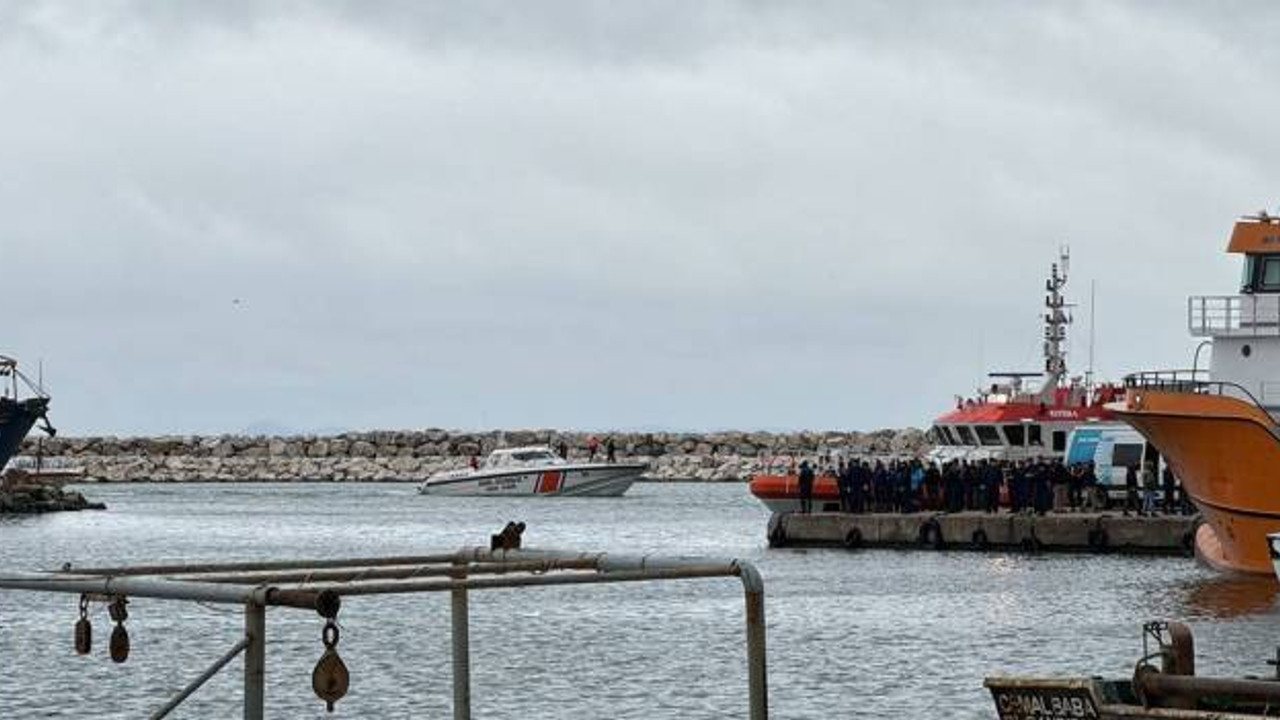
[(851, 634)]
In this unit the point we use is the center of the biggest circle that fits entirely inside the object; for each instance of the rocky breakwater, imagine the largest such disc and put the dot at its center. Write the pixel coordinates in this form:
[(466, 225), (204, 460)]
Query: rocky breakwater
[(21, 494), (414, 455)]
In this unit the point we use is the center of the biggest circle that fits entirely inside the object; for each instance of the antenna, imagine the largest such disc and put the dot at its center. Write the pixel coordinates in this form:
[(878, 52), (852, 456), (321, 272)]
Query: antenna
[(1093, 304)]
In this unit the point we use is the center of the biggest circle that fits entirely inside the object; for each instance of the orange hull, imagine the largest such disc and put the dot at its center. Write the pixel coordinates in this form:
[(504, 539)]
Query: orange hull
[(782, 492), (1228, 459)]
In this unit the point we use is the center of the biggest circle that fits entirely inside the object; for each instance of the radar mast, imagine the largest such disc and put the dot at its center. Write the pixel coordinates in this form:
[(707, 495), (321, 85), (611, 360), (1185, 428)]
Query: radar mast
[(1056, 320)]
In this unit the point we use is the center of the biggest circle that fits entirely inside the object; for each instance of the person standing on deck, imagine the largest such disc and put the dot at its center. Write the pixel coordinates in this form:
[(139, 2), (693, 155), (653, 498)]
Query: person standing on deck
[(1075, 486), (610, 450), (1095, 495), (806, 487), (1130, 489), (844, 482), (994, 477), (1170, 490), (916, 494), (862, 490), (593, 446), (1149, 486), (933, 487), (1043, 496), (1060, 481), (1017, 487)]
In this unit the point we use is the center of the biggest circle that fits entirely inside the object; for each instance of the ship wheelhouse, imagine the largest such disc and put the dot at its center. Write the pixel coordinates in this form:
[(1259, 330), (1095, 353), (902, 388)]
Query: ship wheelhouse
[(1244, 329)]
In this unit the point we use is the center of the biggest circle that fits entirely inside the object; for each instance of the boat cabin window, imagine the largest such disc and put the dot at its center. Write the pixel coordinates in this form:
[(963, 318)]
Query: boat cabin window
[(1126, 454), (1033, 435), (1014, 434), (952, 437), (1261, 273), (938, 436), (1059, 441), (988, 435), (966, 435)]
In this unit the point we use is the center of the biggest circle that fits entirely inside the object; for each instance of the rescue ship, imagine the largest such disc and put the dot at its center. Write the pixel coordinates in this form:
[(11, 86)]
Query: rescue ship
[(1019, 415), (1026, 415), (1217, 428)]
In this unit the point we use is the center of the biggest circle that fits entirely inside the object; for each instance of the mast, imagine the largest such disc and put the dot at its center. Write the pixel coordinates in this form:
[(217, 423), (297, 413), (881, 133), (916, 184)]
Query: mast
[(1056, 320), (1093, 304)]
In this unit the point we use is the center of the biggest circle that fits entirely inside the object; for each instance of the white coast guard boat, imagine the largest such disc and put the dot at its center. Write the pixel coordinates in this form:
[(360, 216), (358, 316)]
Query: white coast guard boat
[(535, 470)]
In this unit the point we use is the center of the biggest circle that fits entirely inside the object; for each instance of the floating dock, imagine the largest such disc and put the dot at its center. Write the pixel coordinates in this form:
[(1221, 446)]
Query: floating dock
[(1053, 532)]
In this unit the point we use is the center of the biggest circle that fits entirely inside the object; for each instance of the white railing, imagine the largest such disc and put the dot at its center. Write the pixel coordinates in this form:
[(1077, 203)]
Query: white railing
[(1234, 316)]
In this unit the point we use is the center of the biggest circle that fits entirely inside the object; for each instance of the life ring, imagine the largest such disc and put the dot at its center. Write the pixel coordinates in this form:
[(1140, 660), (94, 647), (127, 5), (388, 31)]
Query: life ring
[(931, 534), (979, 539), (1098, 539), (853, 539)]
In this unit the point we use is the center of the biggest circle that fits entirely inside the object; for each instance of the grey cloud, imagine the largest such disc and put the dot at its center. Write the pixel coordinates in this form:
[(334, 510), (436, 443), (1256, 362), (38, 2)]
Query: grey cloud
[(578, 214)]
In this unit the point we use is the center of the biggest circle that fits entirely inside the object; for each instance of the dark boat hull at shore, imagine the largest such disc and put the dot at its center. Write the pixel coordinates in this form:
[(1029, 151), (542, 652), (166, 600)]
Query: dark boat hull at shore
[(17, 417)]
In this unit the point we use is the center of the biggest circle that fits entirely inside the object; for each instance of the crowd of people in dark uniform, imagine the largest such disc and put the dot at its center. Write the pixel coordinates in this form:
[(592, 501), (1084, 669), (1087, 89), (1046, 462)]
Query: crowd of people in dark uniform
[(1023, 486)]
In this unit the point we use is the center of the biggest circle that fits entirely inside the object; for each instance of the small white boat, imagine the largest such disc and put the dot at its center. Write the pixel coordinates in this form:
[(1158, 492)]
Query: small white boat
[(535, 470)]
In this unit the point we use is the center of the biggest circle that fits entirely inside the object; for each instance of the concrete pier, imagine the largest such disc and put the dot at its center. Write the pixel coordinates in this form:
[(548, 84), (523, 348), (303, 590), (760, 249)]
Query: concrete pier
[(1054, 532)]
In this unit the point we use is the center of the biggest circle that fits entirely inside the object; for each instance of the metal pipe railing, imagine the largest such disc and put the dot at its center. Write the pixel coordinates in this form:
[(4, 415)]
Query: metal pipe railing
[(255, 661), (384, 572), (201, 679), (194, 568), (147, 587), (320, 584), (1187, 382)]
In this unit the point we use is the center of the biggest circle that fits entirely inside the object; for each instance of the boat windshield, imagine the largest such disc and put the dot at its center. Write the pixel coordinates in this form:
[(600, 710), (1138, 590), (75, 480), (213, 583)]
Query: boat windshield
[(531, 456)]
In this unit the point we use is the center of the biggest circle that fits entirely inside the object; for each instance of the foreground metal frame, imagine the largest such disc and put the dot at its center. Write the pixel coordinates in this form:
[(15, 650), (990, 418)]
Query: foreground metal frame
[(321, 584)]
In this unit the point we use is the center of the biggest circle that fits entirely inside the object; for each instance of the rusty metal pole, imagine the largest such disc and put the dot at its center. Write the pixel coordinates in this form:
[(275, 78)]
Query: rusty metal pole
[(255, 660), (757, 669), (461, 655)]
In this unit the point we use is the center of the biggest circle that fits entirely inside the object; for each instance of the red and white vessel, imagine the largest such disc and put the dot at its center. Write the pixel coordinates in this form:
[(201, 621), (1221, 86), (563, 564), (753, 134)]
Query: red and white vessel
[(1018, 416), (535, 470), (1027, 415)]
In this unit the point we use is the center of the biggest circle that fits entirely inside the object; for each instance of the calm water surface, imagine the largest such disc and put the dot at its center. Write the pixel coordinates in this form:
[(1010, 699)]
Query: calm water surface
[(870, 634)]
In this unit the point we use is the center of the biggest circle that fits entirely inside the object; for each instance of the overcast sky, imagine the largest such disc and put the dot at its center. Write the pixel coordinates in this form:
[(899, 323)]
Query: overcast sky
[(694, 215)]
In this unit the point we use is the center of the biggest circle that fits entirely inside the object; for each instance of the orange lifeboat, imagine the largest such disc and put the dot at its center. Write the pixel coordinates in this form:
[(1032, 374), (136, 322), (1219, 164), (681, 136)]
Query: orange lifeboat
[(781, 493)]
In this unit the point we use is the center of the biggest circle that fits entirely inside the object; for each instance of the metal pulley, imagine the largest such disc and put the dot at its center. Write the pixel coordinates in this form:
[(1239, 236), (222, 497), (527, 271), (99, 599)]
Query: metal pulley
[(119, 645), (330, 680), (84, 629)]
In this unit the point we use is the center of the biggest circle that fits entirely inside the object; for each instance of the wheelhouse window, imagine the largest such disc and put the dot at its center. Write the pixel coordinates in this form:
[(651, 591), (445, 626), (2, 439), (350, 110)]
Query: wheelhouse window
[(1033, 435), (988, 435), (966, 435), (1270, 280), (937, 436), (952, 437), (1014, 434), (1262, 273), (1059, 441)]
